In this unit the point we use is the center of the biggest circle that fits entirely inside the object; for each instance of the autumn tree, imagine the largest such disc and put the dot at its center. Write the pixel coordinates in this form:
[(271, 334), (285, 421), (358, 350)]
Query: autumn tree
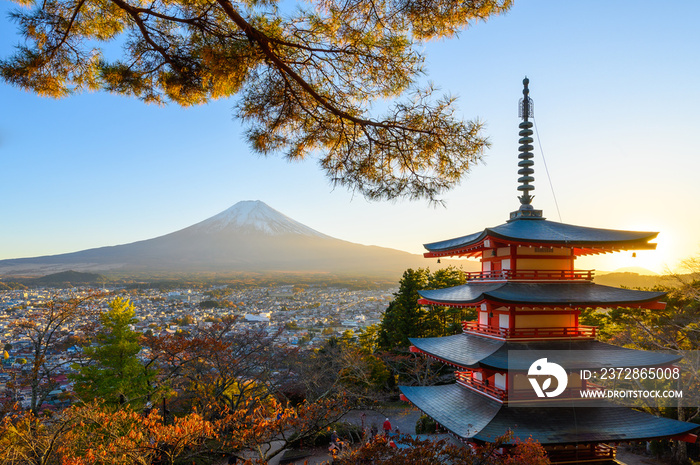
[(94, 434), (341, 368), (48, 329), (308, 78), (688, 282), (101, 435), (411, 451), (368, 338), (111, 369), (218, 366), (269, 429), (674, 329), (26, 439)]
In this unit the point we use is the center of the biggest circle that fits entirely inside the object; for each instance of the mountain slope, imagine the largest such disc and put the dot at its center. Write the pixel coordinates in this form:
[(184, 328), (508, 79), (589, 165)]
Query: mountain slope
[(249, 236)]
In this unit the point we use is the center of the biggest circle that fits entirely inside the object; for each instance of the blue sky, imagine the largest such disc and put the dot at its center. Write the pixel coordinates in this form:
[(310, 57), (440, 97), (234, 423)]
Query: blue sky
[(617, 103)]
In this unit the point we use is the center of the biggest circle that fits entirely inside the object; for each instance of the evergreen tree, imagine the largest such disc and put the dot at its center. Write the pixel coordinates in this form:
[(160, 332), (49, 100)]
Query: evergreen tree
[(113, 371), (305, 76), (405, 318), (440, 320), (402, 318)]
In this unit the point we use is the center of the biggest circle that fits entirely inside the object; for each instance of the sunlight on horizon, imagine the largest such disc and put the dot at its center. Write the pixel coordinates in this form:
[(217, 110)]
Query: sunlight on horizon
[(135, 172)]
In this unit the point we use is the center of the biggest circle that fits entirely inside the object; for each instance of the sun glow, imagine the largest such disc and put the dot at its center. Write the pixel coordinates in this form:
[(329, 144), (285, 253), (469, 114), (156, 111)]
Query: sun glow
[(635, 261)]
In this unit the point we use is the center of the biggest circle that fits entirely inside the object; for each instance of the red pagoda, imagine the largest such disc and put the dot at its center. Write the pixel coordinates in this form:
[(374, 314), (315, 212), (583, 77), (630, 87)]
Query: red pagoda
[(528, 297)]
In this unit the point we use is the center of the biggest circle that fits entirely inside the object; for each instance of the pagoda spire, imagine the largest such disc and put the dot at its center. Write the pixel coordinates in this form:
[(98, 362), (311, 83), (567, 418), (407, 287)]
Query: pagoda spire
[(526, 110)]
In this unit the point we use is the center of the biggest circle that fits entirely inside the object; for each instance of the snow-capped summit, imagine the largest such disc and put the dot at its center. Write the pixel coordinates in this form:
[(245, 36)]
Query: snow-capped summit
[(249, 236), (254, 215)]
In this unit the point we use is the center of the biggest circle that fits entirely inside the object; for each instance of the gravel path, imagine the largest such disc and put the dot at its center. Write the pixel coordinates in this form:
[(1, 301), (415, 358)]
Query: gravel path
[(626, 457)]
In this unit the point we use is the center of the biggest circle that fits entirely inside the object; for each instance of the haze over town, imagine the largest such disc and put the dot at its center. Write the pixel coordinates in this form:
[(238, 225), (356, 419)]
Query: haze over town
[(615, 95)]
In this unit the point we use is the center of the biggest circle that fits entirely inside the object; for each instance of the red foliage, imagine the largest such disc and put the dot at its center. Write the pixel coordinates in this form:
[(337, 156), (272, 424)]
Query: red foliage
[(429, 452)]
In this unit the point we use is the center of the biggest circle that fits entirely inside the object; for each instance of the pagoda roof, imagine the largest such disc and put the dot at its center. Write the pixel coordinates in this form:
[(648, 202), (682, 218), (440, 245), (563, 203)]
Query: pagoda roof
[(462, 350), (538, 231), (471, 415), (472, 351), (569, 294)]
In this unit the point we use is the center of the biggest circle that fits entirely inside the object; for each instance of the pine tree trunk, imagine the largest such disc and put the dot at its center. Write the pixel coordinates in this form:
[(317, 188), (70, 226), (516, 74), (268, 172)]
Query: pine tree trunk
[(680, 452), (680, 448)]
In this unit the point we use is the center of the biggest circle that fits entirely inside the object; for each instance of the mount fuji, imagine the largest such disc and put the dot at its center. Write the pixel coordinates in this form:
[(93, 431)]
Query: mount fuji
[(253, 216), (249, 236)]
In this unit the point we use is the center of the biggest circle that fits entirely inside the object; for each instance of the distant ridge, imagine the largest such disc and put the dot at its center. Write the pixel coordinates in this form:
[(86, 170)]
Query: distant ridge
[(636, 269), (70, 277), (631, 280), (250, 236)]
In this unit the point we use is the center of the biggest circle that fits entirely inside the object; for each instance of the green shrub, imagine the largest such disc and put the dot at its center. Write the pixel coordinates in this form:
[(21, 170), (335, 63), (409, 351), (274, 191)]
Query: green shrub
[(346, 431), (425, 425)]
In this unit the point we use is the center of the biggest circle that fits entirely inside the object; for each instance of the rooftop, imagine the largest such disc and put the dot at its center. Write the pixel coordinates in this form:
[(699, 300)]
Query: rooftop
[(541, 232), (472, 351), (470, 415), (563, 294)]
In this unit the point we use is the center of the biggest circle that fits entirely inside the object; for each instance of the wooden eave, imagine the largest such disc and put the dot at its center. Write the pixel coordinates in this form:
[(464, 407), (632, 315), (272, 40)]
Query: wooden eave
[(650, 305), (476, 249)]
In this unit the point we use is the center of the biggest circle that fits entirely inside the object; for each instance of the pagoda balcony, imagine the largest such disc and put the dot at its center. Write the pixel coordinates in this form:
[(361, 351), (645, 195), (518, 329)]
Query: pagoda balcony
[(570, 393), (530, 275), (467, 379), (580, 331), (568, 454)]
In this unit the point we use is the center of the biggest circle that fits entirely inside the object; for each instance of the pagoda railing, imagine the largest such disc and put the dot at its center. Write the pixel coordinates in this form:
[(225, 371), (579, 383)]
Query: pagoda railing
[(466, 378), (573, 392), (542, 332), (573, 454), (534, 275)]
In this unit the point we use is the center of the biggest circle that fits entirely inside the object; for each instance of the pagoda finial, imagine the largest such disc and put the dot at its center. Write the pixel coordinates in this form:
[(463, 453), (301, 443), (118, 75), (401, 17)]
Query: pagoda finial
[(526, 110)]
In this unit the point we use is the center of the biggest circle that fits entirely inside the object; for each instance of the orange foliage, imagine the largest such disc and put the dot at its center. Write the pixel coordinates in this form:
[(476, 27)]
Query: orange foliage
[(429, 452), (100, 436), (96, 435)]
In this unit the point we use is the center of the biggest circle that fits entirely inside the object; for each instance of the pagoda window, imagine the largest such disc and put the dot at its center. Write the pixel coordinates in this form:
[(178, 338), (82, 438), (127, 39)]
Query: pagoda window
[(505, 264), (499, 380), (504, 320), (544, 264), (520, 382), (545, 320), (483, 318), (574, 381)]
